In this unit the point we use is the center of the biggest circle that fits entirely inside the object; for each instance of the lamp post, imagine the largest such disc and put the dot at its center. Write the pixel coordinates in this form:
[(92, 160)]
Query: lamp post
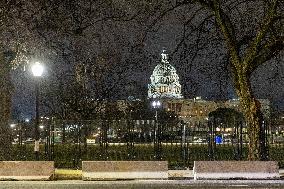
[(156, 105), (37, 70), (157, 131)]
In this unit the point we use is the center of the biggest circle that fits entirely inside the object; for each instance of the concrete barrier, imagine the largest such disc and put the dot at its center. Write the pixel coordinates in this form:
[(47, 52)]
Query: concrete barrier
[(26, 170), (113, 170), (235, 170)]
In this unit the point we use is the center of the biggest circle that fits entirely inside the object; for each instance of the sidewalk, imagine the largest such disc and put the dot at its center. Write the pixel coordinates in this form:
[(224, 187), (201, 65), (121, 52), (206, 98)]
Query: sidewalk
[(149, 184), (178, 179)]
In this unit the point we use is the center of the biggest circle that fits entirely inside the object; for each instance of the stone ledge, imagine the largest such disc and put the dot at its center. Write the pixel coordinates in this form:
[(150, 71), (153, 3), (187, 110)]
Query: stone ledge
[(112, 170), (123, 175), (26, 170), (235, 170)]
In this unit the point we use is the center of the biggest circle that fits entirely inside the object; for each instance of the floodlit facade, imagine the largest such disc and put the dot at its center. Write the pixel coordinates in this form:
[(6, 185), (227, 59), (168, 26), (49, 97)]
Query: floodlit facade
[(164, 81), (195, 111)]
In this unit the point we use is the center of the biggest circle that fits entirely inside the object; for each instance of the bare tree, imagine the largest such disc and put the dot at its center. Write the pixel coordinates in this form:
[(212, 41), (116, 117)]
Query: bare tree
[(252, 34)]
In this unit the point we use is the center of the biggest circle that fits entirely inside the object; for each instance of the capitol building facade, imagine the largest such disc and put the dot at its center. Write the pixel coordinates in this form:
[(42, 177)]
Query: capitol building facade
[(164, 81)]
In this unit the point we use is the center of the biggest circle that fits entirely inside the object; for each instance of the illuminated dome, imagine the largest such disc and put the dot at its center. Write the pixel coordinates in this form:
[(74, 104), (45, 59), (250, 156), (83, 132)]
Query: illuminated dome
[(164, 81)]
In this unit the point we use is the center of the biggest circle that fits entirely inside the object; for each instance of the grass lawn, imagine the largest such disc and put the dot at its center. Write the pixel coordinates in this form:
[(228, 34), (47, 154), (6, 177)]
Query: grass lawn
[(67, 174)]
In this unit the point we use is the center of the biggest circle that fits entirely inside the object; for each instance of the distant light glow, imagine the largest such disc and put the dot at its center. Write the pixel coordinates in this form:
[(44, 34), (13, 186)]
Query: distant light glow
[(37, 69), (156, 104)]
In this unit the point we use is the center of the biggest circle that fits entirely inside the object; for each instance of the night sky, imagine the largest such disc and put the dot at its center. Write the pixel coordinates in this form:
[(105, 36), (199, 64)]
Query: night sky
[(203, 72)]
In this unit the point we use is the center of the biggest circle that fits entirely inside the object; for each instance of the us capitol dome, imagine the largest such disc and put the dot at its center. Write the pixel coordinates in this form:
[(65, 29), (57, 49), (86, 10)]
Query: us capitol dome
[(164, 81)]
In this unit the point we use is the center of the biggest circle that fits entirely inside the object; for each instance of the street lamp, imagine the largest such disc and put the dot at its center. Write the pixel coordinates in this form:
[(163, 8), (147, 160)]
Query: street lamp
[(13, 127), (156, 105), (37, 70), (157, 141)]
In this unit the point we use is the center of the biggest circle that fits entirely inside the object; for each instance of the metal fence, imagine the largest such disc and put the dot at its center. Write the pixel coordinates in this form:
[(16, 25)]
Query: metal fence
[(69, 142)]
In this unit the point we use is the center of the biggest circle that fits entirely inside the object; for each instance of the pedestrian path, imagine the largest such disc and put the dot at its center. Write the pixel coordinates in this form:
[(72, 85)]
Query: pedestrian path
[(149, 184)]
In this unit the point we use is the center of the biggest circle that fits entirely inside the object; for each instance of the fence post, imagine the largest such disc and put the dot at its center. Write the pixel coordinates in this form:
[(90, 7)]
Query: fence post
[(211, 125)]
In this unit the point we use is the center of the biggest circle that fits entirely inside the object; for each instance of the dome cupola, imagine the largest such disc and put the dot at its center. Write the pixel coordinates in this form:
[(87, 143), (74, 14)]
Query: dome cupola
[(164, 80)]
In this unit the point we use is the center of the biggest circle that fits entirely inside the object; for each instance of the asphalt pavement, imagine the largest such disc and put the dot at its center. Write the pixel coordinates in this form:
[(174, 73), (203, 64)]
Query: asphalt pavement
[(149, 184)]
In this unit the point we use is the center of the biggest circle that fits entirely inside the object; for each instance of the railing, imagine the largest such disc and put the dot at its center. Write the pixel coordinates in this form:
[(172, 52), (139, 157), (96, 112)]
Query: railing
[(179, 144)]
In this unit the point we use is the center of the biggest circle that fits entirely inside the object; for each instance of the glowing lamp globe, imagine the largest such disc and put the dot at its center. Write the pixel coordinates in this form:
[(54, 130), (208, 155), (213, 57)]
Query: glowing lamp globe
[(37, 69), (156, 104)]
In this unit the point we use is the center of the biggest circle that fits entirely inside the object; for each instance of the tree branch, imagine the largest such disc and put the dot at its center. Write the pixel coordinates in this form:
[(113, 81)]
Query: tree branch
[(227, 30), (253, 50), (266, 53)]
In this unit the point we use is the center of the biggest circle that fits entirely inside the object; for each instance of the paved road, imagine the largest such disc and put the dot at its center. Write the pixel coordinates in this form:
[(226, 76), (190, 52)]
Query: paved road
[(149, 184)]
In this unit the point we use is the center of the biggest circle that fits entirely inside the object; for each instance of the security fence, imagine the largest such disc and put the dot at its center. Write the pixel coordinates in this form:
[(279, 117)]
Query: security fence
[(69, 142)]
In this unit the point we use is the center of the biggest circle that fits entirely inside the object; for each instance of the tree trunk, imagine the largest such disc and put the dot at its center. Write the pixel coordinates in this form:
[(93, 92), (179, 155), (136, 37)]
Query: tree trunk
[(5, 107), (252, 113)]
